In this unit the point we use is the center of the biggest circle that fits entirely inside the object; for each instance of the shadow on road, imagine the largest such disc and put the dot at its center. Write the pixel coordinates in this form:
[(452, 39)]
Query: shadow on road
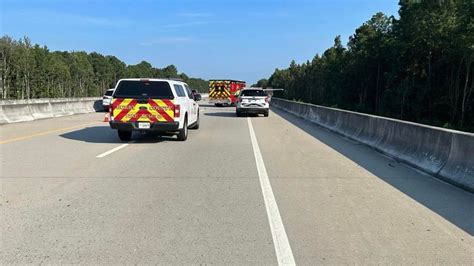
[(452, 203), (208, 105), (222, 114), (104, 134), (231, 114)]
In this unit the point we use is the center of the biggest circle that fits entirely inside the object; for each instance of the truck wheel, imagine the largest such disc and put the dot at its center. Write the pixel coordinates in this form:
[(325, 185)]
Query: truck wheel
[(183, 133), (196, 124), (266, 113), (124, 135)]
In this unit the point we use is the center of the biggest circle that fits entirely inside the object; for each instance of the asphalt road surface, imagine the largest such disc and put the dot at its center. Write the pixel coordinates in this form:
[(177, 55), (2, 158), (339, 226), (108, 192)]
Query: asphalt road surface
[(239, 191)]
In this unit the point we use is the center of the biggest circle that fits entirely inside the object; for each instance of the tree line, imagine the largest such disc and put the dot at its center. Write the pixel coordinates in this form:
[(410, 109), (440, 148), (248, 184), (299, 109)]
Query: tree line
[(30, 71), (417, 67)]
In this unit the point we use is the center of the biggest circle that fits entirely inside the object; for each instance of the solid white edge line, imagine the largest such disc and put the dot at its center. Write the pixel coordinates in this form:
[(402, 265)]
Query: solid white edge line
[(280, 239), (113, 150)]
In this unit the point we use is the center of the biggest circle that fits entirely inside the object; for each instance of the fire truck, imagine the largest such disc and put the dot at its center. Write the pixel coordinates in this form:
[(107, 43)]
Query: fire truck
[(225, 92)]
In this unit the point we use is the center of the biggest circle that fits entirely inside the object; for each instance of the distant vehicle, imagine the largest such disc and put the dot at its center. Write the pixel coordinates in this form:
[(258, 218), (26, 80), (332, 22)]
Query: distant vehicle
[(153, 105), (269, 91), (107, 98), (196, 95), (224, 92), (253, 101)]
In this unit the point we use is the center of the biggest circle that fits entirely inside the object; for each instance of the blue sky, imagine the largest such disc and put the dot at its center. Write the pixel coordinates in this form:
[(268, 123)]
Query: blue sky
[(238, 39)]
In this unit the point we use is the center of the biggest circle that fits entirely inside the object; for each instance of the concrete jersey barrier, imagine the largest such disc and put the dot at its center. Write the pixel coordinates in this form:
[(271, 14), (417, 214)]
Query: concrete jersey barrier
[(446, 154), (12, 111)]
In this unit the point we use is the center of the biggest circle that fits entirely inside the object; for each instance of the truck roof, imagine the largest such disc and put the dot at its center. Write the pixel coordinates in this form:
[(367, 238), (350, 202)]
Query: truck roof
[(154, 79), (231, 80)]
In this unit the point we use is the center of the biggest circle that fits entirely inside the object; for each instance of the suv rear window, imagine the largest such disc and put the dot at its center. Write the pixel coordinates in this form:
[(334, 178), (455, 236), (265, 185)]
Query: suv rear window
[(143, 89), (253, 93)]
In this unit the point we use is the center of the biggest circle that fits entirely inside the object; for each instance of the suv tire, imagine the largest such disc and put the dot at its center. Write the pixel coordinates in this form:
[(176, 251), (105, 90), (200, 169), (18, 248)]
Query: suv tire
[(183, 133), (124, 135)]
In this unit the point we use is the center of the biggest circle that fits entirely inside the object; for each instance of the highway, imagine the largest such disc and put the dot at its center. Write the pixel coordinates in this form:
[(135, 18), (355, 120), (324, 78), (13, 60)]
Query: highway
[(71, 192)]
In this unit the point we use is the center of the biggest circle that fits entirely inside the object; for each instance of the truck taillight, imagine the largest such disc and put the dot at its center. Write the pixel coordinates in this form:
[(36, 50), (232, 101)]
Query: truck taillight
[(111, 113), (177, 110), (266, 99)]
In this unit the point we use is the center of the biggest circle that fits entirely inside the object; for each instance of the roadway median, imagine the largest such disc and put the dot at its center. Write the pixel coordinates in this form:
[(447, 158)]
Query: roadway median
[(446, 154), (13, 111)]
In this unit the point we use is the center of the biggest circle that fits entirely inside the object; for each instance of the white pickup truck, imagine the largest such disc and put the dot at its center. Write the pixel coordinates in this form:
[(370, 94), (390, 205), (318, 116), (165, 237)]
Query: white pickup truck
[(153, 105)]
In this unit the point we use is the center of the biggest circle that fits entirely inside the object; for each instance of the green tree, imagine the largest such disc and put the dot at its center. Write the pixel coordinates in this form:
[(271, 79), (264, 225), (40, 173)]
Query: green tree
[(417, 67), (32, 71)]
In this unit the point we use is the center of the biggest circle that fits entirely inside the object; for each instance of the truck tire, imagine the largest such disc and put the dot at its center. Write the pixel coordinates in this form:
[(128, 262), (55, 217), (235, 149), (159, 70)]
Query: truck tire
[(196, 124), (266, 113), (124, 135), (183, 133)]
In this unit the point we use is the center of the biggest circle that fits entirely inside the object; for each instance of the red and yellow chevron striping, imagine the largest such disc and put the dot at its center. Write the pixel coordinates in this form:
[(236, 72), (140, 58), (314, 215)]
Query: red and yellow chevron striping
[(154, 110), (219, 89)]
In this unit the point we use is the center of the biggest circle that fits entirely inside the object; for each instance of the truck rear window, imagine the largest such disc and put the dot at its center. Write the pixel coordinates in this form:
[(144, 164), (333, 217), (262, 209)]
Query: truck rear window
[(143, 89), (109, 93), (254, 93)]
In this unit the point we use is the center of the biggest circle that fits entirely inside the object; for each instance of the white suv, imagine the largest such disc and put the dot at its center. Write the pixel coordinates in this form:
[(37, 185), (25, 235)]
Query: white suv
[(252, 101), (107, 98), (153, 105)]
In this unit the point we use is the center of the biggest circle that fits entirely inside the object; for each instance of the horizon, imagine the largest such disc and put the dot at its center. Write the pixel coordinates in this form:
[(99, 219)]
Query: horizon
[(188, 34)]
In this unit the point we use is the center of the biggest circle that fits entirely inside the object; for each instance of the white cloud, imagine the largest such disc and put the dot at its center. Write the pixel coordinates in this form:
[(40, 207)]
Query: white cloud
[(47, 17), (167, 40), (195, 14), (185, 24)]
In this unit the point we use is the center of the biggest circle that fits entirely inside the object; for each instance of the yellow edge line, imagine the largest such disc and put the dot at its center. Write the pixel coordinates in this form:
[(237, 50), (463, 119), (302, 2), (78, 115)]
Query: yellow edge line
[(45, 133)]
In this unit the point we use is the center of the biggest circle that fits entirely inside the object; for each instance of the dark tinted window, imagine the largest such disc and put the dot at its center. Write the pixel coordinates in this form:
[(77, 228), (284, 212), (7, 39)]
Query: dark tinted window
[(108, 93), (253, 93), (143, 89)]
